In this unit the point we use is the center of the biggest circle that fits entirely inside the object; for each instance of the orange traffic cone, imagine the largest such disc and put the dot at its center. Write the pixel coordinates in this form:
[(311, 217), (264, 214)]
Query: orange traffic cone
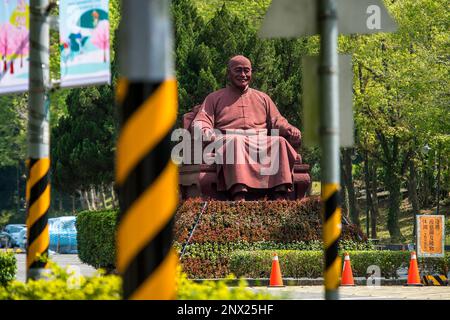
[(275, 275), (413, 272), (347, 274)]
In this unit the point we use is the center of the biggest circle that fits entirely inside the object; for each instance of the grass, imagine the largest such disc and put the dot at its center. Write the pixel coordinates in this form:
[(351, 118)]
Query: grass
[(406, 221)]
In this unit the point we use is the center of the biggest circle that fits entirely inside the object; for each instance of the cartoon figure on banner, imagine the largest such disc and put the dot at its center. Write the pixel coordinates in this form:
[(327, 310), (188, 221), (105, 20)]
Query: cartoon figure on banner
[(88, 32), (72, 47)]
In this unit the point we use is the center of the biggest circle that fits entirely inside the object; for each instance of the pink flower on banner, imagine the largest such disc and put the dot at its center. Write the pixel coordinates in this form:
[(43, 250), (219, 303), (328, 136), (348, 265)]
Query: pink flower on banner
[(7, 43), (22, 44), (100, 37)]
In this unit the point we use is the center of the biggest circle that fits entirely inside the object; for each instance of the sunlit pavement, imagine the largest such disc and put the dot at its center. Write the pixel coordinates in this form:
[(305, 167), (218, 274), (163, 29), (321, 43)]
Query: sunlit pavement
[(62, 260), (360, 293), (288, 292)]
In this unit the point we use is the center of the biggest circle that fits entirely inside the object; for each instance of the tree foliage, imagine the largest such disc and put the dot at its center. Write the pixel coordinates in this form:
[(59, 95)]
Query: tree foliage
[(401, 92), (401, 95)]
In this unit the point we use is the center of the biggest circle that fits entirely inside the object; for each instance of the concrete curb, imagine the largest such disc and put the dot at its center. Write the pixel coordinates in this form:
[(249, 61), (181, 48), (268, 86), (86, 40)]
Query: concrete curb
[(263, 282)]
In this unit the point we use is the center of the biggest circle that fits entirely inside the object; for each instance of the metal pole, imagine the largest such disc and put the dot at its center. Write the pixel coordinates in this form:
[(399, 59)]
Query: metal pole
[(193, 230), (438, 178), (329, 133), (38, 159), (145, 174)]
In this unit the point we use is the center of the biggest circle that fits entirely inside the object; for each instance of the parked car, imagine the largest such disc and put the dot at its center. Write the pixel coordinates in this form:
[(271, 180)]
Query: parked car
[(22, 239), (13, 230), (63, 234), (5, 240)]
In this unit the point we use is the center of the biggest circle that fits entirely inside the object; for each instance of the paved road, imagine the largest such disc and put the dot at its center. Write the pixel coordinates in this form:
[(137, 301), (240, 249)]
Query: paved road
[(62, 260), (361, 293)]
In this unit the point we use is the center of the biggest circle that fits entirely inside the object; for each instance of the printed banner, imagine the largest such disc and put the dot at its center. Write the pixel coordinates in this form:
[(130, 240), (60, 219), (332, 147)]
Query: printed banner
[(430, 235), (84, 42), (14, 45)]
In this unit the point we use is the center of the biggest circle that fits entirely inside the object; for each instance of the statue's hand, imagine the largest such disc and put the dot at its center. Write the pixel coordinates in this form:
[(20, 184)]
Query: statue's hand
[(209, 135), (294, 133)]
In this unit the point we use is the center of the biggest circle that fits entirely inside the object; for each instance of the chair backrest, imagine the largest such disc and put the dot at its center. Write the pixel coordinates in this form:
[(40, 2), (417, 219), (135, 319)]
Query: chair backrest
[(189, 117)]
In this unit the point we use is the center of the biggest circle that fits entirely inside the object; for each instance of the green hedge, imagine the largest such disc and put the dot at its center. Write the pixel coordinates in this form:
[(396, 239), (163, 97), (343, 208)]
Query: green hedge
[(217, 290), (309, 264), (8, 267), (60, 284), (96, 236), (288, 224), (211, 259)]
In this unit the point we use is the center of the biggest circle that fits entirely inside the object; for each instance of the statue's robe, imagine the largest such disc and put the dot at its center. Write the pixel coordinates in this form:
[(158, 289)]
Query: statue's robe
[(238, 115)]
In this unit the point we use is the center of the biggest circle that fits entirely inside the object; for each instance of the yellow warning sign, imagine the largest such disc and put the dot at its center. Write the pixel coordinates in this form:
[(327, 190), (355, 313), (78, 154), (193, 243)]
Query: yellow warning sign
[(430, 235)]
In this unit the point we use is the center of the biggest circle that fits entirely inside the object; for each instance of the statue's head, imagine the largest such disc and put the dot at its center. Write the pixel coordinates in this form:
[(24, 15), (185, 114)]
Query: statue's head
[(239, 72)]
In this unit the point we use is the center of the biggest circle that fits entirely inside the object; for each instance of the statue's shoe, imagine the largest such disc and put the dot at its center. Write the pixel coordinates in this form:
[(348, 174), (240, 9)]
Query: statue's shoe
[(239, 196)]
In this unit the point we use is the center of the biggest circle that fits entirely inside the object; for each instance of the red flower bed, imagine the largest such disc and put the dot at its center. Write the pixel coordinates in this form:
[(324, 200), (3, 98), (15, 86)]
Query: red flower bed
[(202, 268), (252, 221)]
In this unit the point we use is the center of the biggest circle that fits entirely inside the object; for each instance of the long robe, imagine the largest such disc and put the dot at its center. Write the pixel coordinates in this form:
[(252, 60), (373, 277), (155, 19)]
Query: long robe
[(251, 111)]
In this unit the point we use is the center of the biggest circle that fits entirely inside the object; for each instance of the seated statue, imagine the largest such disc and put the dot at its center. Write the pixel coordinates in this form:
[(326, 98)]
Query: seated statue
[(247, 119)]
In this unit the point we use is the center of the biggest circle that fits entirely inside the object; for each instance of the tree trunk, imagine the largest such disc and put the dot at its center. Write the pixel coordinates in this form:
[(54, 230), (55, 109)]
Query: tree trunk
[(425, 192), (348, 176), (60, 202), (369, 204), (344, 195), (93, 199), (86, 198), (374, 207), (438, 187), (395, 198), (73, 203), (113, 196), (103, 197), (344, 204), (83, 203)]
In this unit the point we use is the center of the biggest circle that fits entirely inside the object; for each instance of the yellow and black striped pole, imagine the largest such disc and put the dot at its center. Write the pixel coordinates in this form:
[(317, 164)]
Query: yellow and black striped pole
[(331, 213), (38, 162), (329, 138), (145, 174), (38, 202)]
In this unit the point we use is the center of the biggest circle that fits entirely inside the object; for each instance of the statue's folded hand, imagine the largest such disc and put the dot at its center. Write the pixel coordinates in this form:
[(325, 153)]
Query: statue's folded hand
[(209, 135), (294, 133)]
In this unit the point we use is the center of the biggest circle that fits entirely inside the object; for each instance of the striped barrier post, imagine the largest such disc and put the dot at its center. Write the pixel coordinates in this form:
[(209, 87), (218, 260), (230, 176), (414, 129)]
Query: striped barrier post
[(38, 140), (435, 280), (331, 213), (146, 177), (38, 202)]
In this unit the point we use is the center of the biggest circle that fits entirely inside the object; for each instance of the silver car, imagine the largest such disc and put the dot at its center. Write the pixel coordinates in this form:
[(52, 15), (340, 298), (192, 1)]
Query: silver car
[(13, 230)]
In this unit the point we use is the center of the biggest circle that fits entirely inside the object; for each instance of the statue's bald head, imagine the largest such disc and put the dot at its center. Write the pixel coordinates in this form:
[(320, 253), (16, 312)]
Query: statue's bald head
[(239, 61), (239, 72)]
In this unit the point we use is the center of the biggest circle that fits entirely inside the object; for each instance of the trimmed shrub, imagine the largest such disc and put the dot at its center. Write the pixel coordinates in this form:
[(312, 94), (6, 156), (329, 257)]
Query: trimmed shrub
[(253, 221), (96, 236), (211, 260), (309, 264), (64, 285), (8, 267), (223, 228), (209, 290)]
